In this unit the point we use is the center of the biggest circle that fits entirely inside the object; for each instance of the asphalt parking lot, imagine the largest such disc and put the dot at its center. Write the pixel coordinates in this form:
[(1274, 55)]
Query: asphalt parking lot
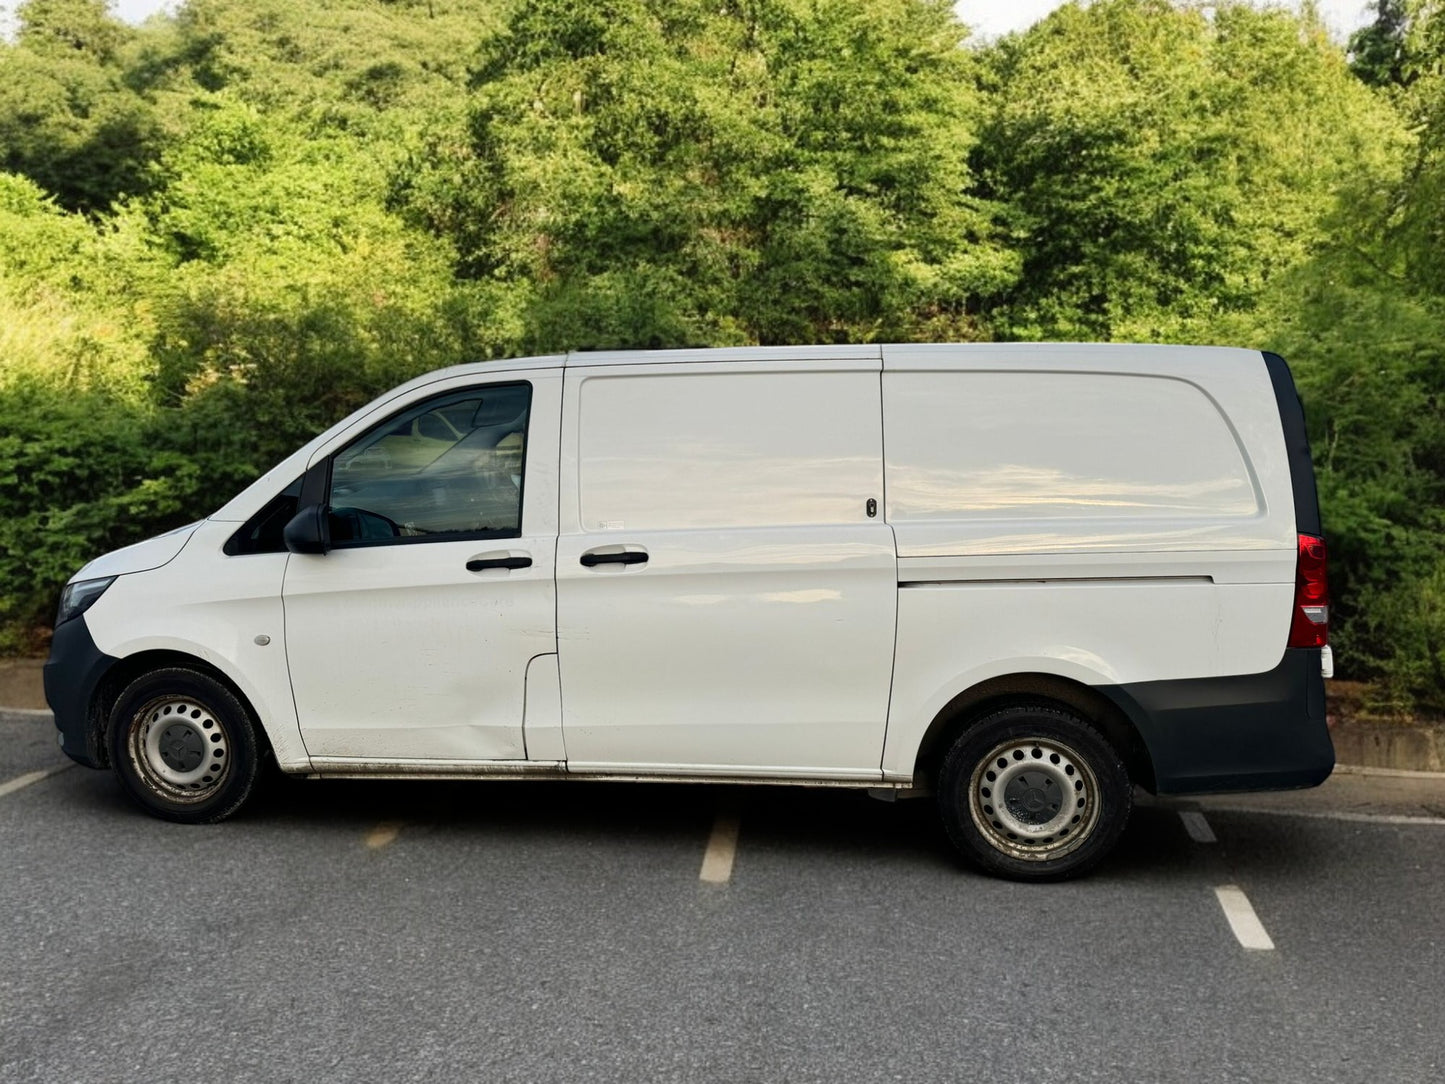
[(581, 932)]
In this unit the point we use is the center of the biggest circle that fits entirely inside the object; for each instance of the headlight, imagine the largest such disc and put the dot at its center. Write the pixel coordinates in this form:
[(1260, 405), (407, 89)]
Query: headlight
[(77, 598)]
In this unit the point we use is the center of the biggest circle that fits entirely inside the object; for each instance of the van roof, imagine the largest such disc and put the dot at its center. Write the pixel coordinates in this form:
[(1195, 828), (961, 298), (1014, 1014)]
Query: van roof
[(890, 355)]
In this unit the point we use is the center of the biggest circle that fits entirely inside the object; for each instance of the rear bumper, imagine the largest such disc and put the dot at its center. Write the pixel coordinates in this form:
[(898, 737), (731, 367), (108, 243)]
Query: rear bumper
[(1251, 732), (72, 674)]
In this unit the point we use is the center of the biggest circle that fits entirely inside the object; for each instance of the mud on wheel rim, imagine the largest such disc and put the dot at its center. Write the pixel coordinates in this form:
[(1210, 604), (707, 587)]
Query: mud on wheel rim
[(179, 748), (1034, 799)]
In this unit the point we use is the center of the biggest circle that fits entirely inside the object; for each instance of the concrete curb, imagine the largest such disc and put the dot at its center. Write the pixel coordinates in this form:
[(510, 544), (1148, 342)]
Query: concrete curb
[(1399, 746), (24, 715), (1387, 773)]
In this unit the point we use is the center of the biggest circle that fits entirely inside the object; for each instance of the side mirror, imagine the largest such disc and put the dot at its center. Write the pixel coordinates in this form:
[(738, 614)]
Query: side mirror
[(307, 531)]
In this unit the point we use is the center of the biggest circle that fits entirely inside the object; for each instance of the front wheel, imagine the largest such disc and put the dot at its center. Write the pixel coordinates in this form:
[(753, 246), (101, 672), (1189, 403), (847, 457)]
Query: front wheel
[(1033, 793), (183, 746)]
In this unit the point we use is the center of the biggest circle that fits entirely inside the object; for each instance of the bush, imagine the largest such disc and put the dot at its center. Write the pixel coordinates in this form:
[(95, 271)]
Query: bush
[(79, 475)]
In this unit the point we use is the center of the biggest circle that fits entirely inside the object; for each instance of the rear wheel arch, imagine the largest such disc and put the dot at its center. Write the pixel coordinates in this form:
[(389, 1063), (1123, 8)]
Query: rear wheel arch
[(1037, 689)]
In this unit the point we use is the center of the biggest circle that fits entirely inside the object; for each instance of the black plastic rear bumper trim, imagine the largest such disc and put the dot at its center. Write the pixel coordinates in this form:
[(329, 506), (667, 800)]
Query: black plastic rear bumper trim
[(1251, 732)]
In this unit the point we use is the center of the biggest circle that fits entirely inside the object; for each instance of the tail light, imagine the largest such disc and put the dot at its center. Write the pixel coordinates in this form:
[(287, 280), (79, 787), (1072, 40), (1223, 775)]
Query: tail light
[(1310, 626)]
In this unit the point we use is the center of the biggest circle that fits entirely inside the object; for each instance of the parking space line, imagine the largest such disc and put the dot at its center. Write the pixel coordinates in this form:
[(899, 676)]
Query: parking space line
[(722, 846), (1197, 827), (20, 782), (1245, 924), (384, 833), (1331, 815)]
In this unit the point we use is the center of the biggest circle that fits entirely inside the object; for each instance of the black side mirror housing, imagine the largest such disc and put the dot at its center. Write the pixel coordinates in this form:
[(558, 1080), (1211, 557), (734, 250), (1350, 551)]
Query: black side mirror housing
[(307, 531)]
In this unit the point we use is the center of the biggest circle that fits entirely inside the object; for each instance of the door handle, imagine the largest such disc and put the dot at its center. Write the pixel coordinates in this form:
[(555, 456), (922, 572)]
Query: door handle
[(630, 557), (479, 564)]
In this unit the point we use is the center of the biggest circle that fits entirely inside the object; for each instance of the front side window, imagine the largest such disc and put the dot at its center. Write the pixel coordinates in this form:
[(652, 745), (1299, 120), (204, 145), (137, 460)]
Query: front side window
[(448, 468)]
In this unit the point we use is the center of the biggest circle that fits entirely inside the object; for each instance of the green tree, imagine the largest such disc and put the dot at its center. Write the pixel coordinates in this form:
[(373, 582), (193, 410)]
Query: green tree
[(646, 173), (1375, 330), (1416, 226), (341, 64), (288, 291), (1160, 165), (70, 28), (68, 118), (64, 322), (1378, 53)]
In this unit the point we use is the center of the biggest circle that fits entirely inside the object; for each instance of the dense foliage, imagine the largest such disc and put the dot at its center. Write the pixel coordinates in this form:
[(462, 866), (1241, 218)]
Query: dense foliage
[(223, 229)]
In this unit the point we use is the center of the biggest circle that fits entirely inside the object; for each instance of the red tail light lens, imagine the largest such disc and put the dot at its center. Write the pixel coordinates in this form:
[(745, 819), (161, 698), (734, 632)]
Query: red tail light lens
[(1310, 626)]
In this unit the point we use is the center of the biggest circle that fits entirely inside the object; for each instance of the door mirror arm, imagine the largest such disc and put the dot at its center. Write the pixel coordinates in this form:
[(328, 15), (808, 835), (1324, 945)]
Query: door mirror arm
[(308, 530)]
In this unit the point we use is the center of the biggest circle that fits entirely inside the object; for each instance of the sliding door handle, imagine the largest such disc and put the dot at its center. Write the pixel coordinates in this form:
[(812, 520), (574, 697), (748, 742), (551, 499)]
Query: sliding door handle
[(630, 557)]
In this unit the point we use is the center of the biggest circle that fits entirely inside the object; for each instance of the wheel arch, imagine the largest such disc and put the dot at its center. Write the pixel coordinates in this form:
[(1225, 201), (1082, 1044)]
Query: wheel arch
[(1011, 690), (127, 669)]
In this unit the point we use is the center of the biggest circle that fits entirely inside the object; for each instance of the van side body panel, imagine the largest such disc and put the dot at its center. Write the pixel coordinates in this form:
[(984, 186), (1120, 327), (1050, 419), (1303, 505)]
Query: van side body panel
[(1119, 516), (752, 631), (210, 606), (405, 651)]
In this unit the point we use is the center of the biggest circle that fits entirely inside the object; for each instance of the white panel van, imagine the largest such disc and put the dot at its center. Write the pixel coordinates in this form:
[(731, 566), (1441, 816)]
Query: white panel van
[(1020, 578)]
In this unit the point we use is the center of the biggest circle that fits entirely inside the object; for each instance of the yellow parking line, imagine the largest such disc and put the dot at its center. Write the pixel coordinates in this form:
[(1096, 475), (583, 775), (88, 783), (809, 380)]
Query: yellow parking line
[(722, 846), (384, 833)]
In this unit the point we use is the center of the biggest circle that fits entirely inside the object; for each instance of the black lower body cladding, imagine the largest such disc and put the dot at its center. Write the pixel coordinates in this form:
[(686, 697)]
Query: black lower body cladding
[(72, 672), (1249, 732)]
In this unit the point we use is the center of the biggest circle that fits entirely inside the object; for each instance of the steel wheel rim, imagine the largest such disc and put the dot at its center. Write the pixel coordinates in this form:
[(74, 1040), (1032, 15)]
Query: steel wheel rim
[(1034, 798), (179, 748)]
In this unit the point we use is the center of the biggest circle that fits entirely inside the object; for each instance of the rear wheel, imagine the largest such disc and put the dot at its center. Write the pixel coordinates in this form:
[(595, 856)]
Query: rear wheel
[(183, 746), (1033, 793)]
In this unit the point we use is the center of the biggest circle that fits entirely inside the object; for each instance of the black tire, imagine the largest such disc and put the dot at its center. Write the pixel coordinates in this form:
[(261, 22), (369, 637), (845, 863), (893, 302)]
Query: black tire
[(183, 746), (1033, 793)]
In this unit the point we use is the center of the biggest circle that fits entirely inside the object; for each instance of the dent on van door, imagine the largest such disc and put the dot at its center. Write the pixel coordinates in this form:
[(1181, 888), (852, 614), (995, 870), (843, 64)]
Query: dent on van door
[(410, 637)]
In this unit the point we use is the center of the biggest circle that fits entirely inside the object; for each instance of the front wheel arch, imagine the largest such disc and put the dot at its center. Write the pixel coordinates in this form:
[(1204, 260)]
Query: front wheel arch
[(128, 669), (183, 746)]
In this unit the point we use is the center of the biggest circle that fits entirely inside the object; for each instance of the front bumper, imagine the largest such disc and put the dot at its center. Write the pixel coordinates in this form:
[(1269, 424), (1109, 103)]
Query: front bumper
[(73, 673)]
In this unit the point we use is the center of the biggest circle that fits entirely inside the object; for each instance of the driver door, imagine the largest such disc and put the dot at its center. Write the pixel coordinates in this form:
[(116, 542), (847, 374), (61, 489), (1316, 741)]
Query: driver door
[(410, 638)]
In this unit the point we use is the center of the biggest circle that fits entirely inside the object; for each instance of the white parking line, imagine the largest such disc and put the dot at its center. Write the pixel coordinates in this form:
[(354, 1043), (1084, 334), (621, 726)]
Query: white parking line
[(1197, 827), (1331, 815), (1248, 930), (20, 782), (722, 846)]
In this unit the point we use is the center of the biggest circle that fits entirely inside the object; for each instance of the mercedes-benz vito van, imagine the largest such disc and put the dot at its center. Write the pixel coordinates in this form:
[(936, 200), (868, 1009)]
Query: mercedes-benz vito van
[(1019, 577)]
